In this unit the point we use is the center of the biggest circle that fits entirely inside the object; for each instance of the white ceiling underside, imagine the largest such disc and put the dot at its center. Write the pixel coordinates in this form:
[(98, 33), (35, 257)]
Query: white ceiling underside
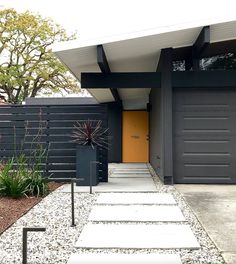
[(134, 98), (138, 54)]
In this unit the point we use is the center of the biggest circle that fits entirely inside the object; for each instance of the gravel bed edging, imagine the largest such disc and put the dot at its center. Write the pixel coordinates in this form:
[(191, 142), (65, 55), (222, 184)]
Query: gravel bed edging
[(19, 207)]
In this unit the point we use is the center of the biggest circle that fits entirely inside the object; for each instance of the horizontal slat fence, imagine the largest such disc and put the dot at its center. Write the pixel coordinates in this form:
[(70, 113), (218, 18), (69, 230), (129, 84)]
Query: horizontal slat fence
[(19, 126)]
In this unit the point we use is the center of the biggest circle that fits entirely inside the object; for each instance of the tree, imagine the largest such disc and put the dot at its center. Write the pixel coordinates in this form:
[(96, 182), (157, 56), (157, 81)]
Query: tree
[(27, 64), (220, 62), (178, 65)]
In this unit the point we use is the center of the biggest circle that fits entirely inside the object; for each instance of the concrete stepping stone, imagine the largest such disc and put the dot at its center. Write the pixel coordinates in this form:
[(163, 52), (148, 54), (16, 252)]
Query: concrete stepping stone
[(138, 213), (131, 171), (135, 198), (137, 236), (127, 165), (130, 175), (118, 185), (115, 258)]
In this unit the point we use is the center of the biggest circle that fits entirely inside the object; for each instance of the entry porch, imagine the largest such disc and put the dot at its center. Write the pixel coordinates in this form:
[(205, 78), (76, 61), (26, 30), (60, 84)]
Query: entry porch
[(123, 177)]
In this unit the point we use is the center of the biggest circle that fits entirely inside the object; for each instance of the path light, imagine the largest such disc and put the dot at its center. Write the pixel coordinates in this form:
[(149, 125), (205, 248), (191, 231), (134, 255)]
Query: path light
[(25, 231), (72, 204), (91, 175)]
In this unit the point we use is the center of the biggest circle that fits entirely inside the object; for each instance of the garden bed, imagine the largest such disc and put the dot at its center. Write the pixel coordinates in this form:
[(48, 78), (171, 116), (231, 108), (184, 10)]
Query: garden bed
[(12, 209)]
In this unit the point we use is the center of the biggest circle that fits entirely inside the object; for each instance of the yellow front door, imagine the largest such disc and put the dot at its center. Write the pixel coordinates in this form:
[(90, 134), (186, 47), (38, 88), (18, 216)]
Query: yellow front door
[(135, 145)]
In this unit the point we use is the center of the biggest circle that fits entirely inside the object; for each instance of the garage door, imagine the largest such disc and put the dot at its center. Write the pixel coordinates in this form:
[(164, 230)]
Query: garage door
[(204, 123)]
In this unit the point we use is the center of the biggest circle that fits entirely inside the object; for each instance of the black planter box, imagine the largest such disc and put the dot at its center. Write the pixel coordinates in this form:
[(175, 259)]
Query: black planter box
[(85, 155)]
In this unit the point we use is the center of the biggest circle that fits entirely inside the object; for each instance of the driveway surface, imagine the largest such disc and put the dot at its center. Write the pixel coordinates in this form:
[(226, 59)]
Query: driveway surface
[(215, 207)]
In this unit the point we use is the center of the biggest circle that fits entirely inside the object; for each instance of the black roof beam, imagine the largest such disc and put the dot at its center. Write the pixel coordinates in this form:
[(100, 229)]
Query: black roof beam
[(202, 41), (204, 79), (102, 60), (180, 79), (104, 67), (120, 80), (213, 49)]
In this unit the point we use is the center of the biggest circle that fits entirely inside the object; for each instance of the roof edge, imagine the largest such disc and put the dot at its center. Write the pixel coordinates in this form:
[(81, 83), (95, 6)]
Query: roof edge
[(74, 44)]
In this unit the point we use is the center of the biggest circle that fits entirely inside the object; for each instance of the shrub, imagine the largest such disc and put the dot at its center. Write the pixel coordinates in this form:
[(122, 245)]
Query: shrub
[(91, 133), (23, 175), (12, 183), (36, 184), (17, 179)]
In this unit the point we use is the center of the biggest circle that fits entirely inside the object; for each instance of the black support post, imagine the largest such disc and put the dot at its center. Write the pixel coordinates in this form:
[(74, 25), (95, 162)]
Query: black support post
[(165, 66), (195, 60), (188, 63), (72, 204)]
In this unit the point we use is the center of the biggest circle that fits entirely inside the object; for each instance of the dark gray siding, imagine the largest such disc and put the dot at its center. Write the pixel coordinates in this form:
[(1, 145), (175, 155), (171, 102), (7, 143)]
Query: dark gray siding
[(204, 136), (155, 129), (61, 101), (115, 132)]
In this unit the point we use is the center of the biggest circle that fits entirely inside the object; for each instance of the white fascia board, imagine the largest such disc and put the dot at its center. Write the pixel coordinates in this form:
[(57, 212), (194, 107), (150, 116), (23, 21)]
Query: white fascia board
[(74, 44)]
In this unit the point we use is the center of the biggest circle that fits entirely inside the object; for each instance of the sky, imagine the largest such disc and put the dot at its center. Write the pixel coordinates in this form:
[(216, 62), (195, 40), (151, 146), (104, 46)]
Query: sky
[(93, 19), (98, 19)]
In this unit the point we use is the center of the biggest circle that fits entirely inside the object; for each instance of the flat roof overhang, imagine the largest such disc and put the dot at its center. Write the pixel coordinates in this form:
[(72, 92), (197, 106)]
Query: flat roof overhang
[(139, 52)]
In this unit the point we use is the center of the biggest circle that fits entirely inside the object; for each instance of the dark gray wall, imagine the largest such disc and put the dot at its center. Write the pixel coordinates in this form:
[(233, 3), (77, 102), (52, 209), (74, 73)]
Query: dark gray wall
[(61, 101), (155, 129), (24, 127), (115, 132), (114, 119)]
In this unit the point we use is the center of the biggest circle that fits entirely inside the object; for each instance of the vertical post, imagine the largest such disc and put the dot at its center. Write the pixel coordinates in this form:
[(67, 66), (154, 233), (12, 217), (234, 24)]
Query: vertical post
[(90, 178), (72, 204), (24, 249), (188, 64), (195, 59), (165, 66)]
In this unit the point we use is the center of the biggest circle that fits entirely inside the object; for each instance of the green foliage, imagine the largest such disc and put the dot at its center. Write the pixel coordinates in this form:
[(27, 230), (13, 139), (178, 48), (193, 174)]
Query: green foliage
[(23, 175), (220, 62), (29, 66), (12, 182), (17, 179), (36, 184)]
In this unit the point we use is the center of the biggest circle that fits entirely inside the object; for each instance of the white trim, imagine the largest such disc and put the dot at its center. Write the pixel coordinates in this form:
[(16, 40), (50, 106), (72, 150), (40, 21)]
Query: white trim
[(74, 44)]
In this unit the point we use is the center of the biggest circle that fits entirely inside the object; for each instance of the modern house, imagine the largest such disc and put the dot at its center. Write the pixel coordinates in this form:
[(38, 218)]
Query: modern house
[(181, 121)]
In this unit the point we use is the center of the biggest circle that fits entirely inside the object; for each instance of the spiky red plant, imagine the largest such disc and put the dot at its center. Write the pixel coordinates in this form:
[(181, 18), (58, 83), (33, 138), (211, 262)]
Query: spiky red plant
[(90, 132)]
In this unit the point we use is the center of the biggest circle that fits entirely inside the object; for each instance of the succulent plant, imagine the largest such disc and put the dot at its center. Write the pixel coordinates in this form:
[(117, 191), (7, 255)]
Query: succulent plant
[(90, 132)]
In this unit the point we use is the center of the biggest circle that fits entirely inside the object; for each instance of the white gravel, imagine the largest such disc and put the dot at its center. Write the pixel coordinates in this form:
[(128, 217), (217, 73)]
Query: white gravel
[(57, 243)]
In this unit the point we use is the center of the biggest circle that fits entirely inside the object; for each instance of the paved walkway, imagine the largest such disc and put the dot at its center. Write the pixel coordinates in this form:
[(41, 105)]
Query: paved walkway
[(122, 178), (134, 220)]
